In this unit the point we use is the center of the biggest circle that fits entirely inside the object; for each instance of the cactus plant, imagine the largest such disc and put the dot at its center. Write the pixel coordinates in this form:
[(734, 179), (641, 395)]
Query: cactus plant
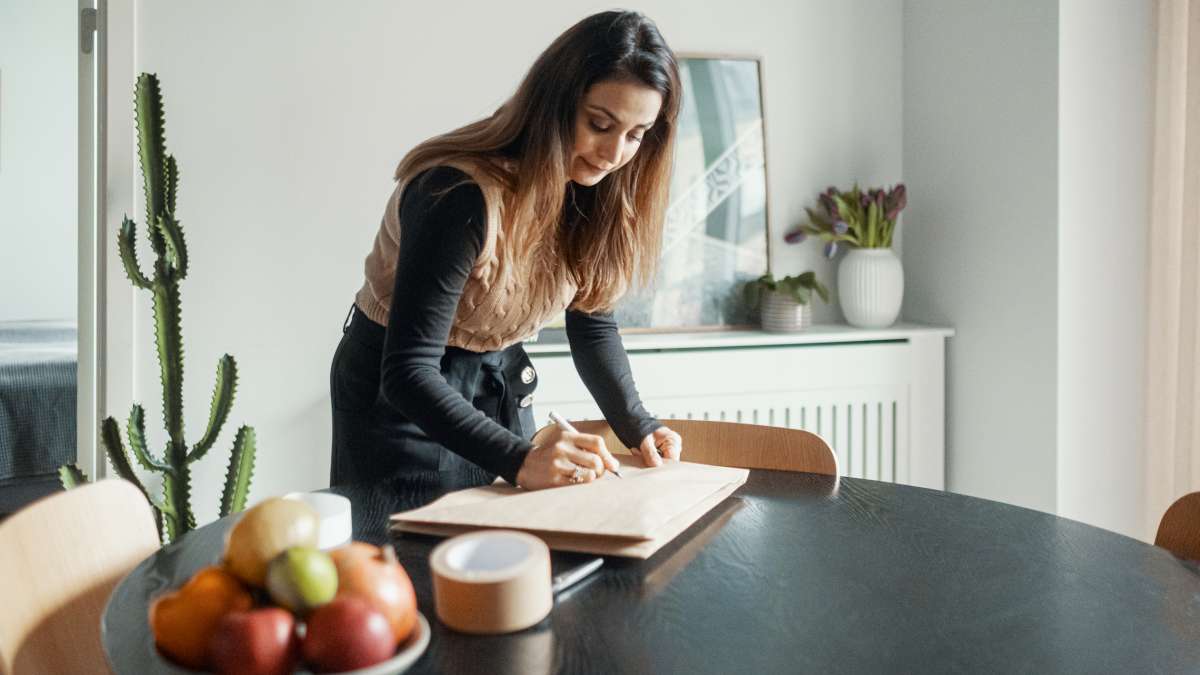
[(173, 512)]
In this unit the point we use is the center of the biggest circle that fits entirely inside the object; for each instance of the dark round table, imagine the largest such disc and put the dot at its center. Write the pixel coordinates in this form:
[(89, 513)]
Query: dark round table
[(796, 573)]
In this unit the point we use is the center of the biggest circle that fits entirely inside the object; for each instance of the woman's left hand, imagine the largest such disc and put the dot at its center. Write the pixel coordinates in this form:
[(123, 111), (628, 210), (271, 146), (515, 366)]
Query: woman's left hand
[(662, 442)]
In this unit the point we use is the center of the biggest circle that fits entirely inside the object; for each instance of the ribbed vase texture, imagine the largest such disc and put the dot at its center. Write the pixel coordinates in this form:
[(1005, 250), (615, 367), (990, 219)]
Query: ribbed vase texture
[(870, 287), (782, 314)]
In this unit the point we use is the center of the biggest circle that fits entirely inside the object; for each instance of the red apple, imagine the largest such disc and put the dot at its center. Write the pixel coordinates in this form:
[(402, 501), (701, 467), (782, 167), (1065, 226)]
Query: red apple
[(373, 574), (256, 642), (346, 634)]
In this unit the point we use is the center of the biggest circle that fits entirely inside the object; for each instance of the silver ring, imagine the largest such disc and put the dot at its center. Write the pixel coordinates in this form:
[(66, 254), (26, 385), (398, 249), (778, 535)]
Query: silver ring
[(578, 474)]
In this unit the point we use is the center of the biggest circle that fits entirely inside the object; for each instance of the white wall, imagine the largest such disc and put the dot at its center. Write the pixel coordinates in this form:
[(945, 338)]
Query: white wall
[(288, 124), (38, 160), (981, 241), (1027, 139), (1106, 103)]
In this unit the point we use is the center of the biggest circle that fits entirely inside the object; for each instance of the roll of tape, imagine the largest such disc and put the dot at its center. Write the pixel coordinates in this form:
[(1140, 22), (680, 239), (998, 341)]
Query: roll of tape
[(491, 581), (334, 510)]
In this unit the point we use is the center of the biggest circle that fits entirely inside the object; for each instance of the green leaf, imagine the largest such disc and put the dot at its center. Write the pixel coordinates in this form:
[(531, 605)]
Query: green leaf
[(851, 214), (222, 402), (751, 293), (888, 229), (801, 287), (151, 139), (171, 183), (110, 438), (158, 522), (177, 509), (176, 246), (169, 343), (170, 519), (822, 291), (818, 219), (844, 208), (136, 430), (71, 476), (240, 473), (165, 504), (128, 251), (873, 224)]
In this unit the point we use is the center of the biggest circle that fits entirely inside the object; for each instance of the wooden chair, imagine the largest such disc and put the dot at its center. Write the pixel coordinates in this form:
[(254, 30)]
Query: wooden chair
[(748, 446), (1179, 529), (60, 557)]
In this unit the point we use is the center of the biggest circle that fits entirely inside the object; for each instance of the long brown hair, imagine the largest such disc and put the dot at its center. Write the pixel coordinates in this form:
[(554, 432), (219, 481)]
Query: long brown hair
[(607, 234)]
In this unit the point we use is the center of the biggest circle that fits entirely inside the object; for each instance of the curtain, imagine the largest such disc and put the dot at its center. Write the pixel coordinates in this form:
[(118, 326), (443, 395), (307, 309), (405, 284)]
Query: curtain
[(1173, 336)]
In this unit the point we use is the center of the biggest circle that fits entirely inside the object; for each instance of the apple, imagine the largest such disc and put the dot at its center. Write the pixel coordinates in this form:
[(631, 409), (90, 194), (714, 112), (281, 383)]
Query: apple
[(257, 642), (374, 574), (347, 634), (302, 579)]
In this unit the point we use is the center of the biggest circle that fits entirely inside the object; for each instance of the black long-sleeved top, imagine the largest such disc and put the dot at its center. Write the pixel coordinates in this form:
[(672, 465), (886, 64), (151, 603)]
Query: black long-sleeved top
[(443, 216)]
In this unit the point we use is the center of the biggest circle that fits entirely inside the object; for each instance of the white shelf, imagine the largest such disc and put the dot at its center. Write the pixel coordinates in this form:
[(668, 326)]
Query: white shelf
[(819, 334)]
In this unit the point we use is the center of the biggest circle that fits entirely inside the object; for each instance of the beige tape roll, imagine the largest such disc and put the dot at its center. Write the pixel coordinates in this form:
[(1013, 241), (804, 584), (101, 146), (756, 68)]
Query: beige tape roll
[(491, 581)]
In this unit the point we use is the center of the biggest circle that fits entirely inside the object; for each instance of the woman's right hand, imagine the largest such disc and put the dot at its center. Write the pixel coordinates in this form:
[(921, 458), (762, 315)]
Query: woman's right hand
[(565, 458)]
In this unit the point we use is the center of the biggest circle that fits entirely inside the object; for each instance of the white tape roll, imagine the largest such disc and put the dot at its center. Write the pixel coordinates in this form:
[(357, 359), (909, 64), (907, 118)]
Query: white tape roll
[(334, 510), (491, 581)]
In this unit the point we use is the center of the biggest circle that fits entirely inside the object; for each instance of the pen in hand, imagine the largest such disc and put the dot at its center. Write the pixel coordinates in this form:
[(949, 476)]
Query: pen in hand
[(567, 426)]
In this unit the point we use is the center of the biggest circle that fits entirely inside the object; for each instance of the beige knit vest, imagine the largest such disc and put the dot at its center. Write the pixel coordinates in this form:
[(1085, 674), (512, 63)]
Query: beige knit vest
[(502, 302)]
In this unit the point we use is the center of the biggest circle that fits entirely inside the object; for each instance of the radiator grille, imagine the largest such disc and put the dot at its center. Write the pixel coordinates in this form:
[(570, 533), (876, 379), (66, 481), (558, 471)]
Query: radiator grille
[(865, 428)]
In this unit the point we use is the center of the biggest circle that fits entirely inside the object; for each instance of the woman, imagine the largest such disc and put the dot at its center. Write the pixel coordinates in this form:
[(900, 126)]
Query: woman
[(555, 201)]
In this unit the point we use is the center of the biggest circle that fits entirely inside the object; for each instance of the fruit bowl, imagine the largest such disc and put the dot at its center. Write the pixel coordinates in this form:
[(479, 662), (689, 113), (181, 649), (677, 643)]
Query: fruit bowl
[(272, 603)]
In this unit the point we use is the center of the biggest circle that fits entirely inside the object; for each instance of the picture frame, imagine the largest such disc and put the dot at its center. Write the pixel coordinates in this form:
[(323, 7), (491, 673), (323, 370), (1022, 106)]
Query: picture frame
[(716, 235)]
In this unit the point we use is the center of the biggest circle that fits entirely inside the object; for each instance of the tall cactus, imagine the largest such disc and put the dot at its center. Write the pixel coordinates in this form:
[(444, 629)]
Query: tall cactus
[(173, 512)]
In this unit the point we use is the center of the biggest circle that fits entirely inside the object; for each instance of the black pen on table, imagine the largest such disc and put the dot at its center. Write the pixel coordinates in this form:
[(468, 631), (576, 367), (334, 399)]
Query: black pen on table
[(566, 426)]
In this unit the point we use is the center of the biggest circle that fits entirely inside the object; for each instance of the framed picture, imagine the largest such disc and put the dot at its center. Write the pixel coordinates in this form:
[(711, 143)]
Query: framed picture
[(715, 236)]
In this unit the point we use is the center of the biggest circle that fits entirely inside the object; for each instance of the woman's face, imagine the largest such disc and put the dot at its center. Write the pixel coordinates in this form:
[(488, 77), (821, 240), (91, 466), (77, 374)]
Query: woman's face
[(609, 125)]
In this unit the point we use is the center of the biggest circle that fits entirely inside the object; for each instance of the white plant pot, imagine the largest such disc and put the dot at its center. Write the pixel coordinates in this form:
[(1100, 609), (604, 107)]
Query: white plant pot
[(782, 314), (870, 287)]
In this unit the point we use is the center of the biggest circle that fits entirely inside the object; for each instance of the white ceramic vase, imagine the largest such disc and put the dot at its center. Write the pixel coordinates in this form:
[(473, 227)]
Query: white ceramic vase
[(782, 314), (870, 287)]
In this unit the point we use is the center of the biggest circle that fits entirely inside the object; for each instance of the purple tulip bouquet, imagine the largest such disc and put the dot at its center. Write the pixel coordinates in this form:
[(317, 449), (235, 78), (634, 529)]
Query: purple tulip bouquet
[(865, 220)]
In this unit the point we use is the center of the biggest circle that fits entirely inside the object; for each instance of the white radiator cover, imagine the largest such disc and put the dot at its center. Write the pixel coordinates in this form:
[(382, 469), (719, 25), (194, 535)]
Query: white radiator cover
[(879, 403)]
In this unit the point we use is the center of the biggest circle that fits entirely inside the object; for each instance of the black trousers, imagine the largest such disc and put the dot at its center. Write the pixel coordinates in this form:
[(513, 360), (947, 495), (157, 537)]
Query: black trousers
[(374, 442)]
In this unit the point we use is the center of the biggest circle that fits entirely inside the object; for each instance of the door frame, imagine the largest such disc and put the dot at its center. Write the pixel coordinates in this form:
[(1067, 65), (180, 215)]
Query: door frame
[(92, 100)]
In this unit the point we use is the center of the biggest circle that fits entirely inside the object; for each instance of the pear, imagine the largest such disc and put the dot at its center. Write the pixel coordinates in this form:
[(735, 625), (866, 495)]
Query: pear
[(302, 579)]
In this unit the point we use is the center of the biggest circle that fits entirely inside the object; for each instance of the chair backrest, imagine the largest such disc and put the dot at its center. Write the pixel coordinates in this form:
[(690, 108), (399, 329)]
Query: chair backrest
[(60, 557), (1179, 529), (748, 446)]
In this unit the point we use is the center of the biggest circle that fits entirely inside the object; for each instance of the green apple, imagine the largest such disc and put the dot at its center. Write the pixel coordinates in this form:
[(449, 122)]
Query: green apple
[(302, 579)]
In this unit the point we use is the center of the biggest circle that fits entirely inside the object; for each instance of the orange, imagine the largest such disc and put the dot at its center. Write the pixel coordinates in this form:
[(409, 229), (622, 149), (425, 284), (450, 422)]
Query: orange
[(184, 621)]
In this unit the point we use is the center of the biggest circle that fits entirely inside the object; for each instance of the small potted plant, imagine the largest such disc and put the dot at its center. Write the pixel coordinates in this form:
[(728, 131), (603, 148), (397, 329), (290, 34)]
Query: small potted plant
[(786, 306), (871, 278)]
